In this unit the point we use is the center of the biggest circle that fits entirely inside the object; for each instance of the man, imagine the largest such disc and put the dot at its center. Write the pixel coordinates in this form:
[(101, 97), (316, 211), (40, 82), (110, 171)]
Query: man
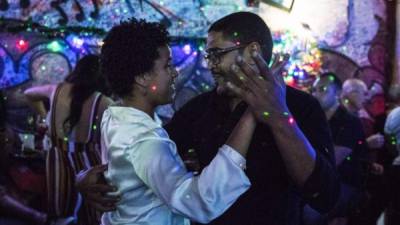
[(284, 165), (346, 129), (349, 143), (354, 96)]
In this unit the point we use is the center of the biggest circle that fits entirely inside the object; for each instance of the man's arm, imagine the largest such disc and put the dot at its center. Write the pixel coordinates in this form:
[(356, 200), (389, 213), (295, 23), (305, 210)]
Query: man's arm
[(93, 187), (265, 92), (321, 187)]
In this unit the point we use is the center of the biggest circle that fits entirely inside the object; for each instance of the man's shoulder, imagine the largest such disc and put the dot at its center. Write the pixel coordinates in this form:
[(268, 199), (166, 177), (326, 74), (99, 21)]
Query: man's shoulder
[(301, 103), (347, 117), (200, 101), (295, 95), (194, 108)]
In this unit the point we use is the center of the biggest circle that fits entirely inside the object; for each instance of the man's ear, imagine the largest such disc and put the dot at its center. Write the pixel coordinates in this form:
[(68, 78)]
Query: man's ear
[(253, 46)]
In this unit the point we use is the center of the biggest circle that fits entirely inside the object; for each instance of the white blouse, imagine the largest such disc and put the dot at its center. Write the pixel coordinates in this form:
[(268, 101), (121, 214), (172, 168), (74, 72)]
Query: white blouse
[(152, 181)]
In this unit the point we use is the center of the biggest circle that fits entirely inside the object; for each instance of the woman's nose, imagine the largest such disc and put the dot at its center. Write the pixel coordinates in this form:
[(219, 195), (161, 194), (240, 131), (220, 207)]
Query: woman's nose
[(175, 73)]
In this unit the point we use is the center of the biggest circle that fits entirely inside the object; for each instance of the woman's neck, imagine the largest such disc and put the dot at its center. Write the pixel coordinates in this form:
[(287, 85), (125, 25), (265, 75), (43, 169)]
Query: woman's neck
[(139, 103)]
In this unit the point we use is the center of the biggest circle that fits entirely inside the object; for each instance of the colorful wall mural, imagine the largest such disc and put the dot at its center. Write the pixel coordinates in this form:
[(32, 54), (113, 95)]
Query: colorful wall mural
[(40, 41)]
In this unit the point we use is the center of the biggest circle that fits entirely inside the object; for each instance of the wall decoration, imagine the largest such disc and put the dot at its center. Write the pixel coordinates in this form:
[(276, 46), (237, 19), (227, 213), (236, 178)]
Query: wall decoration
[(282, 4), (40, 41)]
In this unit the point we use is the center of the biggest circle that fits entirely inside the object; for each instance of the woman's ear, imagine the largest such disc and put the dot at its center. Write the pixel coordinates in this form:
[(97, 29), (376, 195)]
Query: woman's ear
[(142, 83), (143, 80)]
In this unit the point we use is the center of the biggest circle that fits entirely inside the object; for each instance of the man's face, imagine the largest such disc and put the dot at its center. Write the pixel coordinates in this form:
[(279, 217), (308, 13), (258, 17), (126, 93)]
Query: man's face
[(325, 92), (353, 97), (220, 63)]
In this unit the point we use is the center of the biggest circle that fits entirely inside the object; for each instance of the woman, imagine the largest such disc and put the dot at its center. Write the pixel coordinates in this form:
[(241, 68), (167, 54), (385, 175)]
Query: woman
[(143, 163), (76, 107)]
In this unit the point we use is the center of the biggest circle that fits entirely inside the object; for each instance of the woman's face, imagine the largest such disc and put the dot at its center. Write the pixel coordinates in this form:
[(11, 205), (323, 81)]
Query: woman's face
[(162, 77)]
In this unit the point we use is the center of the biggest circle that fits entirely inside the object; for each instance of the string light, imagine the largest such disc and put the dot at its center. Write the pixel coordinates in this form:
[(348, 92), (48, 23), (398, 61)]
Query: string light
[(77, 42), (291, 120), (302, 65), (22, 45), (54, 46), (187, 49)]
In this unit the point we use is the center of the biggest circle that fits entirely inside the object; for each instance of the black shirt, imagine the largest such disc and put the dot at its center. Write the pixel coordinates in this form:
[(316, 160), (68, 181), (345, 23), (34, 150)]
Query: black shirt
[(205, 123), (347, 131)]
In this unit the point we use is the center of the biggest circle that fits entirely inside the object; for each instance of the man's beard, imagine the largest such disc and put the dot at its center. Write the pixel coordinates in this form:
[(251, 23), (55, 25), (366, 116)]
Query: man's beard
[(222, 88)]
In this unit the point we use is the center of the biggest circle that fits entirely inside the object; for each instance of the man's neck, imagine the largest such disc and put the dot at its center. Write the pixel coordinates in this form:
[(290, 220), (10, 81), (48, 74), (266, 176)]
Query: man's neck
[(233, 102), (331, 111)]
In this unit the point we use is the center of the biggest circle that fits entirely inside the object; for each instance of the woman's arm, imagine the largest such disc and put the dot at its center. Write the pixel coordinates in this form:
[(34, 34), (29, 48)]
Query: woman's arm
[(36, 96), (240, 137), (201, 198)]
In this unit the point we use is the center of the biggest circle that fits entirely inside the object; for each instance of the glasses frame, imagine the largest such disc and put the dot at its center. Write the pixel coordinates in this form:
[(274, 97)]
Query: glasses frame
[(214, 56)]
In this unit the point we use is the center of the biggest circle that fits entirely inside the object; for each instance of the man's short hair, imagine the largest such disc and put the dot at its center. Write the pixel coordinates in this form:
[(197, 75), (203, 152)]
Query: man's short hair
[(353, 84), (129, 50), (245, 27), (334, 80)]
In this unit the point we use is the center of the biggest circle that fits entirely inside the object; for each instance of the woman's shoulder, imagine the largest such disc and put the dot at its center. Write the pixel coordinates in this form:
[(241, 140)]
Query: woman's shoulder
[(106, 101)]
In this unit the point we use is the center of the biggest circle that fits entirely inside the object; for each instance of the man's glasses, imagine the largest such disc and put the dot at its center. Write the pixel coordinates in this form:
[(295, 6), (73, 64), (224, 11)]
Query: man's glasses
[(214, 55)]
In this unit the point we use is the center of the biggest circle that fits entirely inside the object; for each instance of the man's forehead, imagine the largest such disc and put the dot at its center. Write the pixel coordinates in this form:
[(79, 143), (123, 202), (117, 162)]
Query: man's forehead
[(352, 87), (322, 81), (215, 39)]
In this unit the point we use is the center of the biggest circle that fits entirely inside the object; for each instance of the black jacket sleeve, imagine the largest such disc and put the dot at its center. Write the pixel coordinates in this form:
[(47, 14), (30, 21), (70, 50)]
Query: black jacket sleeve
[(321, 190)]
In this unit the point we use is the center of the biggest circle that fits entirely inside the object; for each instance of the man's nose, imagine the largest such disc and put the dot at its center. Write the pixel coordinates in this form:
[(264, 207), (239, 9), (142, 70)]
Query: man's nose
[(211, 64)]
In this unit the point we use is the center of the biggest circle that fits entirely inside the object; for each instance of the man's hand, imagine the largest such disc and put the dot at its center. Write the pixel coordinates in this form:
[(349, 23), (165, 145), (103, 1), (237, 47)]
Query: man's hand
[(376, 141), (377, 169), (91, 184), (263, 88)]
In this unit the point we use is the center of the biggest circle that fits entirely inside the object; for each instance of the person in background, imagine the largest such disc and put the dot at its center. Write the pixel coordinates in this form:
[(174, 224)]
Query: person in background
[(350, 151), (354, 97), (392, 130), (13, 211), (76, 108)]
